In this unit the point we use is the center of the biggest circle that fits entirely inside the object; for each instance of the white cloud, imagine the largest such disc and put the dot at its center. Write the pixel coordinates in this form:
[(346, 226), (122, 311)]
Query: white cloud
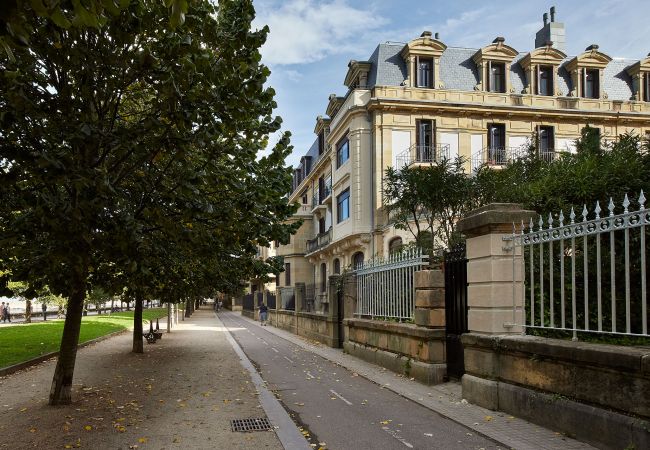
[(303, 31)]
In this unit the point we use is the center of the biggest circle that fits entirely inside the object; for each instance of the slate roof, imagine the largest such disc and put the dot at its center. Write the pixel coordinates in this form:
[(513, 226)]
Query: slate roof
[(458, 71)]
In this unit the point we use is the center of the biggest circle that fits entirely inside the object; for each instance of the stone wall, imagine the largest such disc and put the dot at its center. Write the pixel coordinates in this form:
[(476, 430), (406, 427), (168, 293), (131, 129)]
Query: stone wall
[(310, 325), (404, 348), (574, 387)]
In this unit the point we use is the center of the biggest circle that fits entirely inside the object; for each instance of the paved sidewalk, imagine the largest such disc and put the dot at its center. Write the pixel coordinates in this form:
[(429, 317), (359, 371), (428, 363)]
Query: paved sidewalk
[(180, 394), (445, 399)]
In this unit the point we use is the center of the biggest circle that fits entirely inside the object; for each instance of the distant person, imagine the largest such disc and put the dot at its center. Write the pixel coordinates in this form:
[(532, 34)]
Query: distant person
[(44, 308), (7, 314), (2, 312), (263, 314)]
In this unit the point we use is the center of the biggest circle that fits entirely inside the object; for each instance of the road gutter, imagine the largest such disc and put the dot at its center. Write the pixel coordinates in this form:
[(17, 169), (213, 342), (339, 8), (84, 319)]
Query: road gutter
[(287, 432)]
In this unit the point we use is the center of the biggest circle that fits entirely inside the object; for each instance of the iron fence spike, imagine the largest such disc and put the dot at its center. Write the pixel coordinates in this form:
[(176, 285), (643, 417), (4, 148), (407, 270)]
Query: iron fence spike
[(611, 206), (641, 200), (585, 213), (561, 218), (541, 223), (626, 203), (550, 221), (597, 209), (572, 215)]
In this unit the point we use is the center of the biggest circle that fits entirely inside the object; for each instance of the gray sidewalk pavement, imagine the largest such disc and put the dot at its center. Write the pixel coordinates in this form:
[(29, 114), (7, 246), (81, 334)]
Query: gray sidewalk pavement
[(181, 393), (445, 399)]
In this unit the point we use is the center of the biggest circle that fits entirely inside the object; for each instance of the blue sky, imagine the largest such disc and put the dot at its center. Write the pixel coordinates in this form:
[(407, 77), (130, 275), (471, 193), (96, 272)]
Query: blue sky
[(311, 41)]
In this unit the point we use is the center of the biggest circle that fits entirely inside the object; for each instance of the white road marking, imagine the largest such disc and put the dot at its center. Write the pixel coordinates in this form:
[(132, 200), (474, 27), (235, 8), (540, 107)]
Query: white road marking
[(275, 349), (397, 436), (340, 396), (288, 359)]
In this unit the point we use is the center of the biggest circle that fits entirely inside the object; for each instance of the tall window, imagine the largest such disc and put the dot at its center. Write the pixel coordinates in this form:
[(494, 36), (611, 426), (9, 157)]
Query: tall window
[(544, 80), (424, 73), (343, 206), (357, 260), (321, 225), (646, 89), (342, 152), (337, 266), (496, 143), (425, 140), (497, 77), (395, 245), (546, 142), (287, 274), (323, 277), (590, 83)]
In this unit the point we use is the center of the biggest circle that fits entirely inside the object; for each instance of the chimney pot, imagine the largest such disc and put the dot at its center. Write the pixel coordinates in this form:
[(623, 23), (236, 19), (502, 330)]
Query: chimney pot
[(549, 43), (552, 13), (498, 39), (437, 36), (426, 34), (592, 47), (545, 18)]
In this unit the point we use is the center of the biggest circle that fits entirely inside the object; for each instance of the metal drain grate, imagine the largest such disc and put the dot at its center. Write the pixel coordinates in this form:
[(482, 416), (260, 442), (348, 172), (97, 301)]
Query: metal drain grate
[(254, 424)]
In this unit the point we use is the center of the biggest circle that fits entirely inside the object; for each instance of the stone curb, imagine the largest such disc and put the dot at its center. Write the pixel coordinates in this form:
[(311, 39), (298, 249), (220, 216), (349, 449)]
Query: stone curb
[(4, 371)]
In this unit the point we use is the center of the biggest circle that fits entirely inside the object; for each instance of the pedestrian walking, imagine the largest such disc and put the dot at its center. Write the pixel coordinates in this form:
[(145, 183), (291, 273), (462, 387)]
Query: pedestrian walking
[(44, 308), (2, 312), (263, 314), (7, 312)]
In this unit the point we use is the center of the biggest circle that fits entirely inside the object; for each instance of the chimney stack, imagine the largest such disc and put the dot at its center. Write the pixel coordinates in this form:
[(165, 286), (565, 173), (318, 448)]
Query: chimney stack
[(426, 34), (437, 36), (551, 31)]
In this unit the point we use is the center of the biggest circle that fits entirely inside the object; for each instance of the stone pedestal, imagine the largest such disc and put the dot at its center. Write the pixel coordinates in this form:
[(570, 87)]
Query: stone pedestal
[(494, 268), (430, 298)]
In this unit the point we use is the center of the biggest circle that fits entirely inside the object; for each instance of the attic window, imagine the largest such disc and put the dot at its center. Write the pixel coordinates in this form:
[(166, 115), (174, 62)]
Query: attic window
[(497, 77), (424, 73), (545, 80), (590, 83)]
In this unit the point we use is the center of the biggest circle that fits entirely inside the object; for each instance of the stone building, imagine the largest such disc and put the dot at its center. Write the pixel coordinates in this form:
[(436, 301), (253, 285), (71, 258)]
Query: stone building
[(415, 102)]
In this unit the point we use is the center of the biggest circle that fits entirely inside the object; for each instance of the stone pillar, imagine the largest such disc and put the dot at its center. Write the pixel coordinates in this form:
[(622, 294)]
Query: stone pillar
[(335, 289), (430, 298), (493, 296), (299, 291)]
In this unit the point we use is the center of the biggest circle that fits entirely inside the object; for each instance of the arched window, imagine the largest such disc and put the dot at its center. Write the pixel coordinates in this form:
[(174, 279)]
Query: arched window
[(337, 266), (323, 277), (395, 245), (357, 260)]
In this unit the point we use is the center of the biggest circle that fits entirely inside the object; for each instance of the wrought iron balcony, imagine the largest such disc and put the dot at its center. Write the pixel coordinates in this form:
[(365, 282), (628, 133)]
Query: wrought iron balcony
[(320, 241), (500, 156), (422, 154), (322, 195)]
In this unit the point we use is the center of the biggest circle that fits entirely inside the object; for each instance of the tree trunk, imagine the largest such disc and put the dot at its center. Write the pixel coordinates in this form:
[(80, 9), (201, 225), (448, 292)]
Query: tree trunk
[(137, 325), (60, 393), (188, 308), (28, 311), (197, 304), (169, 317)]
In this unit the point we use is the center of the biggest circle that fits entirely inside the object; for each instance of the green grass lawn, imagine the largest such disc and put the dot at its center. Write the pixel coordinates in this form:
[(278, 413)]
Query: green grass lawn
[(22, 342)]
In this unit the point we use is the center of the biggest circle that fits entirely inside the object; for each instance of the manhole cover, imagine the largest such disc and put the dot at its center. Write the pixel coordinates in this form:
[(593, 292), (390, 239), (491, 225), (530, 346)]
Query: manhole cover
[(254, 424)]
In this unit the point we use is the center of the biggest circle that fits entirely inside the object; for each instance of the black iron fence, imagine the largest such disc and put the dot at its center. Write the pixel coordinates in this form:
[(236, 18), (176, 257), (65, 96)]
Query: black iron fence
[(248, 302), (270, 299)]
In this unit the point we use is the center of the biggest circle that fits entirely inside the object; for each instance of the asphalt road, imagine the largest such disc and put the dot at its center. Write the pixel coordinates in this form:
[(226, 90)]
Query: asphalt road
[(339, 408)]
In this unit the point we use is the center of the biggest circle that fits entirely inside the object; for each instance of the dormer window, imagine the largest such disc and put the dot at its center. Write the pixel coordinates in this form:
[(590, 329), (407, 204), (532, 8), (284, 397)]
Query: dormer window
[(586, 72), (424, 74), (422, 57), (545, 80), (493, 63), (497, 79), (590, 83)]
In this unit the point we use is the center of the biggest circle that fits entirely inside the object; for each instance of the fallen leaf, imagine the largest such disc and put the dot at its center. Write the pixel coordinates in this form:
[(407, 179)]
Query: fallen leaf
[(23, 409), (88, 428), (487, 418), (143, 440)]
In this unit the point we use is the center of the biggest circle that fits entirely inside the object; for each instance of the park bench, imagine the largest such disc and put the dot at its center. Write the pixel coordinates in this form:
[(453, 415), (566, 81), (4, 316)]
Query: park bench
[(153, 335)]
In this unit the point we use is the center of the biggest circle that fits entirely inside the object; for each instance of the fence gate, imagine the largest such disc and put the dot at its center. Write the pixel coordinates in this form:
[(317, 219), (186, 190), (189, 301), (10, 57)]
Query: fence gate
[(455, 308)]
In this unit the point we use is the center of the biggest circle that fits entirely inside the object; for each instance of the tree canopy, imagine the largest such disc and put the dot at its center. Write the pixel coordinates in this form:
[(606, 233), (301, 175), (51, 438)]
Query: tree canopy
[(129, 157)]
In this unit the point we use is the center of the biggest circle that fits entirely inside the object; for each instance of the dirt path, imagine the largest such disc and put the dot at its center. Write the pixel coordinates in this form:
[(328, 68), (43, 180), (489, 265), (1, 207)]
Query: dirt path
[(182, 393)]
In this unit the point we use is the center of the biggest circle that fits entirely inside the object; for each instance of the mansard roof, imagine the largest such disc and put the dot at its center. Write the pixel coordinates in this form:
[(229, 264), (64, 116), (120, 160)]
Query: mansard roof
[(458, 71)]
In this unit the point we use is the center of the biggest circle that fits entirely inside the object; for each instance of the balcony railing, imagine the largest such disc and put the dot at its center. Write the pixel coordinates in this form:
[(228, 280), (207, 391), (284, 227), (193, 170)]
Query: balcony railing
[(422, 154), (320, 241), (500, 156), (320, 195)]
